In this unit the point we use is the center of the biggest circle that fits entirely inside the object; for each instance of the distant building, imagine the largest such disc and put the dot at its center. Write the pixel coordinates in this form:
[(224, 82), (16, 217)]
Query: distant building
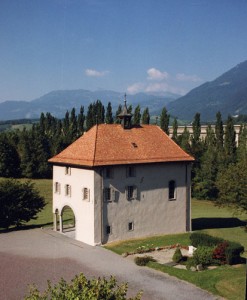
[(122, 182), (203, 135)]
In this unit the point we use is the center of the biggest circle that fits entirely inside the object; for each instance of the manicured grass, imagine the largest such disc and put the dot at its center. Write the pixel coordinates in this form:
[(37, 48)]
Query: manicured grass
[(225, 281), (154, 241)]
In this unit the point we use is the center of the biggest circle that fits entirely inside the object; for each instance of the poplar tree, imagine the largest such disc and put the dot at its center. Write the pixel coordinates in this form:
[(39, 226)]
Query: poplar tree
[(137, 115), (175, 130), (230, 142), (80, 121), (109, 117), (146, 116), (164, 121)]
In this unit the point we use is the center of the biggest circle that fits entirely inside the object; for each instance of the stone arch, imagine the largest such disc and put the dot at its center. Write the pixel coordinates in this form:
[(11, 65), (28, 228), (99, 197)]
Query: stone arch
[(68, 221)]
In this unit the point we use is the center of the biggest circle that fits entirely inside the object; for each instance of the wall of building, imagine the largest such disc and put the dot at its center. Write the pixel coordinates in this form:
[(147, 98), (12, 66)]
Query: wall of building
[(152, 213), (83, 209)]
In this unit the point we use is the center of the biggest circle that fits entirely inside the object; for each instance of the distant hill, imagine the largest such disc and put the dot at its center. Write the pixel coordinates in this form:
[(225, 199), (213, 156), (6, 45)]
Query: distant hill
[(227, 94), (58, 102)]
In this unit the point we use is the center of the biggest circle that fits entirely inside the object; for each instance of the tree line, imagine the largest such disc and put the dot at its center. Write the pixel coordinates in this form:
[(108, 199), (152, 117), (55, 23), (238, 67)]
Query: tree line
[(24, 153)]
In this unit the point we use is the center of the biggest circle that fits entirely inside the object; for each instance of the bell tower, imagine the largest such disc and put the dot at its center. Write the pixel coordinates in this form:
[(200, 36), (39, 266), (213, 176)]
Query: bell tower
[(125, 117)]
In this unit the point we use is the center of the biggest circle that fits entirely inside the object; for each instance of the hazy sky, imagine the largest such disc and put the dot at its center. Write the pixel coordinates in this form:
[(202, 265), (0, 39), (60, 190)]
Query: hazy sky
[(123, 45)]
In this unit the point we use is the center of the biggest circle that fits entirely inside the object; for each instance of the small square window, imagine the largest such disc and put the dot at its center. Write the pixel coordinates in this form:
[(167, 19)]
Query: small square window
[(131, 226), (108, 229), (130, 171)]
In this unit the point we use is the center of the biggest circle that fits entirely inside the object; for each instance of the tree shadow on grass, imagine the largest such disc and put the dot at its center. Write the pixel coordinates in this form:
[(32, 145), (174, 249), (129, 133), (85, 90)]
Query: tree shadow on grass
[(25, 227), (210, 223)]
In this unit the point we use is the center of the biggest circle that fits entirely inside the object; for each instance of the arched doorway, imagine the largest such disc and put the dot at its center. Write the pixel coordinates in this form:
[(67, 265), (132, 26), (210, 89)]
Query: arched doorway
[(68, 221)]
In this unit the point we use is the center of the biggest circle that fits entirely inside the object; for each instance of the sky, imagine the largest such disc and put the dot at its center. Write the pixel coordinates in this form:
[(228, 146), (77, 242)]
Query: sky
[(156, 46)]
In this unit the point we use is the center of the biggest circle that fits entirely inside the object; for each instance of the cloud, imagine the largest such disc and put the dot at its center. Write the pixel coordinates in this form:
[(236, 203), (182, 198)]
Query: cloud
[(135, 88), (191, 78), (94, 73), (155, 74), (164, 87)]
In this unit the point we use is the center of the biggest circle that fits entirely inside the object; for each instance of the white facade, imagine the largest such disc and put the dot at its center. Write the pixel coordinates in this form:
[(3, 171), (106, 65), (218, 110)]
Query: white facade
[(124, 201)]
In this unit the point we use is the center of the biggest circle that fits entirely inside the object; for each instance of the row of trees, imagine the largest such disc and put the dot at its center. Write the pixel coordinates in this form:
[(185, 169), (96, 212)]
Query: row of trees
[(24, 153)]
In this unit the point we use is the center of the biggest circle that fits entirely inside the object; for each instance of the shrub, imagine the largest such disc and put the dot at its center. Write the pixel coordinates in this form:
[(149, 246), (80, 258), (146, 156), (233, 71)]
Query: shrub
[(219, 252), (143, 260), (81, 288), (177, 256), (203, 255), (202, 239)]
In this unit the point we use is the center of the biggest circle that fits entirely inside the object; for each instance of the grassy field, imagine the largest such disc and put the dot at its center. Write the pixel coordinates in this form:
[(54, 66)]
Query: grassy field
[(225, 281)]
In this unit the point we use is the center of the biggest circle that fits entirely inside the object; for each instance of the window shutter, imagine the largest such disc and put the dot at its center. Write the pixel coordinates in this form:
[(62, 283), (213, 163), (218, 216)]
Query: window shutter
[(113, 194), (135, 194), (127, 192)]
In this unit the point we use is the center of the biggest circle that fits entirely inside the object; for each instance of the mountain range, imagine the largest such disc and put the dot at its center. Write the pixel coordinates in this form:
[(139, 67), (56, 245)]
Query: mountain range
[(227, 94), (58, 102)]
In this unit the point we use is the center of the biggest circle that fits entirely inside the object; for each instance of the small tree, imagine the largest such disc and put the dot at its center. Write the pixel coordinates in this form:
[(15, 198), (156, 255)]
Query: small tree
[(164, 121), (19, 202)]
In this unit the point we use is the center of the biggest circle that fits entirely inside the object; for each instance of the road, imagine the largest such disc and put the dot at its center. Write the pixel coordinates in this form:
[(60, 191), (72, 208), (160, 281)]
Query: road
[(33, 256)]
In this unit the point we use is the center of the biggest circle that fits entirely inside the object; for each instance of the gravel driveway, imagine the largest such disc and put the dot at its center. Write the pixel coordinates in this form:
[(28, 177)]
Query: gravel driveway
[(33, 256)]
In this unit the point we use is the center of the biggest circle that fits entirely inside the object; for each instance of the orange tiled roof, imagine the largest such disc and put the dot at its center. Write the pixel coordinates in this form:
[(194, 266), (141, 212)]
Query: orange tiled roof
[(110, 144)]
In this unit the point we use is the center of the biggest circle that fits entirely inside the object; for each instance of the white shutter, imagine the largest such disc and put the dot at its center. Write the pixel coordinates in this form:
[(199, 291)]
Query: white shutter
[(113, 194)]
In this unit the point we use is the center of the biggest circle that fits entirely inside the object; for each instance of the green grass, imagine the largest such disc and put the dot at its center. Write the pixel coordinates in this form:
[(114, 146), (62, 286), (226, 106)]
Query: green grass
[(225, 281)]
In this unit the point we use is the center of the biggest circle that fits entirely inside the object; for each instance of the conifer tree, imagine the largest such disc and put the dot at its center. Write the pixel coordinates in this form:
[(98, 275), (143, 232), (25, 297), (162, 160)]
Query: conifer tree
[(242, 145), (146, 116), (80, 121), (230, 142), (90, 117), (164, 121), (219, 132), (109, 117), (175, 130), (73, 126), (137, 115)]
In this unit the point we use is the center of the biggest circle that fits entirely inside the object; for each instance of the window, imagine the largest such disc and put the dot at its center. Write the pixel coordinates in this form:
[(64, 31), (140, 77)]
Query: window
[(57, 187), (172, 189), (108, 229), (131, 192), (67, 170), (67, 190), (109, 194), (130, 171), (131, 226), (108, 172), (85, 194)]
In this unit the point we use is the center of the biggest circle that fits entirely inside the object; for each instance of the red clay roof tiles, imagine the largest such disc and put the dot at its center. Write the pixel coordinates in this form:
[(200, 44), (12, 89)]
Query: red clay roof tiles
[(110, 144)]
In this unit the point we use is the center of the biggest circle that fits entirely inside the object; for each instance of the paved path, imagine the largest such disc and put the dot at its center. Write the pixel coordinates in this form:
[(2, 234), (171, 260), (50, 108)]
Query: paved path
[(33, 256)]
